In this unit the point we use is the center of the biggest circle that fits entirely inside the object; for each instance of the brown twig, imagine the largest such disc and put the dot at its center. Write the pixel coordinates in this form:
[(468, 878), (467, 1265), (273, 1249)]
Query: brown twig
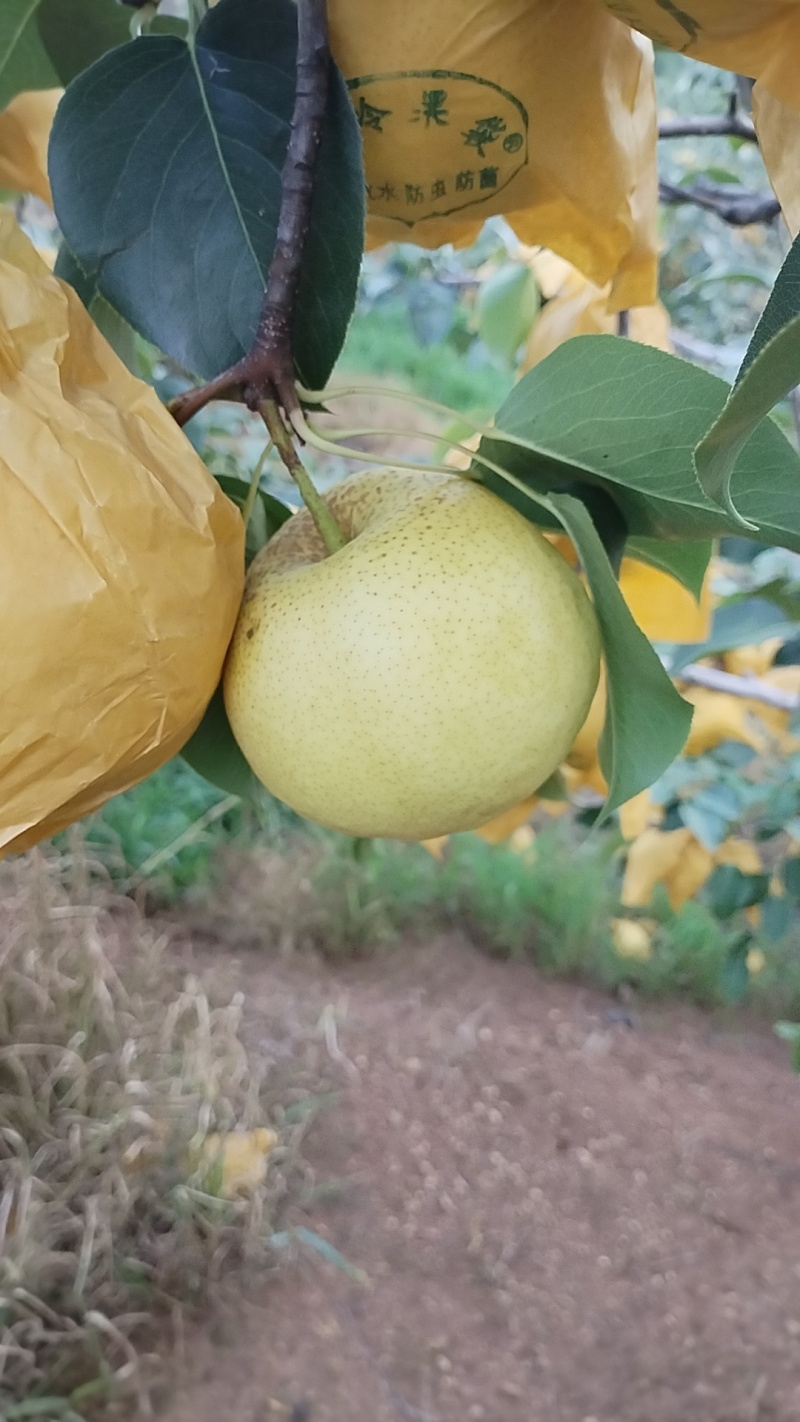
[(735, 205), (267, 371), (731, 125)]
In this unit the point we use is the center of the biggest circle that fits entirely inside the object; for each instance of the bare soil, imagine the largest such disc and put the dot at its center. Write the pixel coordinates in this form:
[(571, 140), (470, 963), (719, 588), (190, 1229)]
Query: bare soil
[(566, 1211)]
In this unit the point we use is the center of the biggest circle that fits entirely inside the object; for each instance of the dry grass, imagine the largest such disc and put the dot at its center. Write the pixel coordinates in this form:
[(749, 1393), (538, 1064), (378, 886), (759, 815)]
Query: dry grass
[(112, 1072)]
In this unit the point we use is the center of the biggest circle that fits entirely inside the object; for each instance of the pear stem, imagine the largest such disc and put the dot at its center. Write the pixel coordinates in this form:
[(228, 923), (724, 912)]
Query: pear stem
[(324, 521)]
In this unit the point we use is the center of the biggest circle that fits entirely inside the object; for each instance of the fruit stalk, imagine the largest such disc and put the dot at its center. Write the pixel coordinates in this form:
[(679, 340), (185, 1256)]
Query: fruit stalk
[(324, 521)]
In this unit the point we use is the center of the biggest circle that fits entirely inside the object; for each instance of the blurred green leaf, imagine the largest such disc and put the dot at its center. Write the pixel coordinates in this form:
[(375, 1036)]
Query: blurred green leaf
[(735, 975), (791, 877), (508, 302), (776, 917), (735, 624), (728, 890)]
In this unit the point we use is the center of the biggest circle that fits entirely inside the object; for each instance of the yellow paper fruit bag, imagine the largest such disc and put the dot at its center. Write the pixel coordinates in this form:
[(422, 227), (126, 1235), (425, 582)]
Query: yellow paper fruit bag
[(121, 568), (542, 111), (755, 37), (778, 128), (24, 134)]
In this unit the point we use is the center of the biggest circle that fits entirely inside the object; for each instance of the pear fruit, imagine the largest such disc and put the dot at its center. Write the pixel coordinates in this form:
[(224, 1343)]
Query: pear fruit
[(424, 678)]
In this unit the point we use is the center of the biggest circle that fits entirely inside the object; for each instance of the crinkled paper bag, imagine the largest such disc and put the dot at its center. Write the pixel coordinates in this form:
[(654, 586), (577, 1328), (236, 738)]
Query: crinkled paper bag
[(540, 110), (121, 563)]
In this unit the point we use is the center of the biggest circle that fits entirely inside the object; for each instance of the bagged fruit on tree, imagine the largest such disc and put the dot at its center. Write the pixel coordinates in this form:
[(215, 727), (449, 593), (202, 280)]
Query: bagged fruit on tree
[(121, 563), (541, 110), (758, 38)]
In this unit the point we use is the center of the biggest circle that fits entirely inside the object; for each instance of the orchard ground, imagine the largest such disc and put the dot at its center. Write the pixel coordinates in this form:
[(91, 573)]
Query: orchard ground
[(565, 1208)]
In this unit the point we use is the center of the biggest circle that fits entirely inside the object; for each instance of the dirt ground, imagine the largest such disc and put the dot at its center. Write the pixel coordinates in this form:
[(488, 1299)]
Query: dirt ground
[(566, 1211)]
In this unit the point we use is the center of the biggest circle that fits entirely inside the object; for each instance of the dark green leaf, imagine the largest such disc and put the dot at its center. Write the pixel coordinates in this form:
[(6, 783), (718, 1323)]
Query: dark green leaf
[(77, 32), (735, 978), (647, 722), (791, 877), (24, 62), (212, 751), (165, 163), (729, 890), (608, 412), (687, 562)]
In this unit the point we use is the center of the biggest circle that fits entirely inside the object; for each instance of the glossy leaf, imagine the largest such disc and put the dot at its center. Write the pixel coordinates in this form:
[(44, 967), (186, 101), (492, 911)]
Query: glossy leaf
[(603, 413), (165, 164), (647, 722)]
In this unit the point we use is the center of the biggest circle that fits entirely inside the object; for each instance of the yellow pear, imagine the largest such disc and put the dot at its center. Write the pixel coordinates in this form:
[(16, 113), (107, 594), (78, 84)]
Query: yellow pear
[(424, 678)]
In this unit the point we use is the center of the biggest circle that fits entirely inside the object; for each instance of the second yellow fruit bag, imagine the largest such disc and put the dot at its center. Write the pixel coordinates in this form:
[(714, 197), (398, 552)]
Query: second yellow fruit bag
[(759, 38), (542, 110)]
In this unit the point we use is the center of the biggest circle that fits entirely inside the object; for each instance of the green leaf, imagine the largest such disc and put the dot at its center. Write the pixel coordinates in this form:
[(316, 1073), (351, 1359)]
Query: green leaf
[(267, 516), (165, 163), (735, 624), (606, 412), (77, 32), (735, 978), (647, 722), (729, 890), (24, 62), (686, 562), (769, 371), (782, 307), (213, 752), (508, 302)]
